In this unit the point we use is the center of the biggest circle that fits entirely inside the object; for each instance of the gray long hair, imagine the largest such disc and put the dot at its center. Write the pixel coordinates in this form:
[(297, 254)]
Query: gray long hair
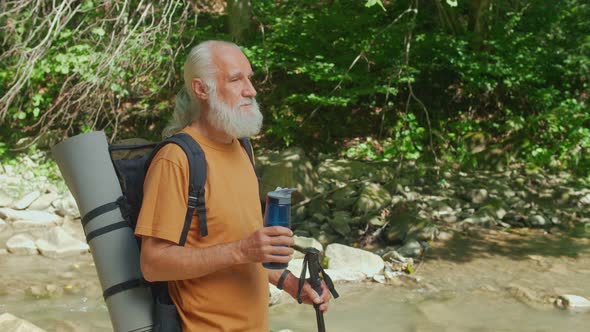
[(198, 64)]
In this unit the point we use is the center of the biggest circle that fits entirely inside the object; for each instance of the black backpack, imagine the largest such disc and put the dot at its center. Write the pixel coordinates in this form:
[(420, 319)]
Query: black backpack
[(131, 173)]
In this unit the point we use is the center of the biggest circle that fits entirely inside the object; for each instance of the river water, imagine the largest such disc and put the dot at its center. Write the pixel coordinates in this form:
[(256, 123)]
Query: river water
[(479, 281)]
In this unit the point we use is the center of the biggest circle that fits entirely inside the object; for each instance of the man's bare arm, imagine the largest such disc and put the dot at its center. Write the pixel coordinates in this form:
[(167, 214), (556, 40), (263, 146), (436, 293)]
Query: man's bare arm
[(163, 260)]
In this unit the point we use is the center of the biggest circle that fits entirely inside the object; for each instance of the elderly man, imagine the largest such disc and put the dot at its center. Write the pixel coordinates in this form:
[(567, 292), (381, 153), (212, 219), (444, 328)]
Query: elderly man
[(217, 282)]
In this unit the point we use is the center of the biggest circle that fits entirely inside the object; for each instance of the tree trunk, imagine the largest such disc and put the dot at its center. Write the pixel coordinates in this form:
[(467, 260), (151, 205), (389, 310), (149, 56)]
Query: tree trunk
[(239, 19), (477, 21)]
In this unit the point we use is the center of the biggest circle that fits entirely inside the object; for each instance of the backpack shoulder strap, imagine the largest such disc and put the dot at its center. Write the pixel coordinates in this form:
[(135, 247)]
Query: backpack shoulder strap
[(248, 147), (197, 166)]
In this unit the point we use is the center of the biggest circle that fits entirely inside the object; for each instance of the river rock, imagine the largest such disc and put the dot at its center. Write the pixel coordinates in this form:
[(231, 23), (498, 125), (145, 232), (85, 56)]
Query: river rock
[(341, 257), (500, 213), (343, 170), (394, 257), (404, 225), (301, 243), (573, 303), (440, 209), (410, 249), (410, 195), (296, 266), (287, 169), (345, 275), (47, 291), (379, 278), (372, 197), (444, 236), (44, 201), (394, 278), (3, 225), (514, 218), (344, 198), (26, 200), (524, 294), (22, 225), (40, 217), (5, 199), (537, 221), (22, 244), (509, 193), (57, 243), (376, 220), (478, 196), (479, 220), (275, 294), (428, 233), (340, 222), (67, 206), (585, 200), (298, 254), (12, 323)]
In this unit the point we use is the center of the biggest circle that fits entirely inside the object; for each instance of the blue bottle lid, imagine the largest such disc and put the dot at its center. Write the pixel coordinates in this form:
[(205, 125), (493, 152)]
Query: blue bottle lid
[(282, 195)]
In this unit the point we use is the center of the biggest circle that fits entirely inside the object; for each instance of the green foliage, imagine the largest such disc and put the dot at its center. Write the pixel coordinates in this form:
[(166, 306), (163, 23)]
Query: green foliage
[(405, 142), (107, 66), (478, 87)]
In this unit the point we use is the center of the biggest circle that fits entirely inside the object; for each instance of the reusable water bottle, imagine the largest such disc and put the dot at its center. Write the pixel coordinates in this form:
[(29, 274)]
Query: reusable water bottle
[(278, 213)]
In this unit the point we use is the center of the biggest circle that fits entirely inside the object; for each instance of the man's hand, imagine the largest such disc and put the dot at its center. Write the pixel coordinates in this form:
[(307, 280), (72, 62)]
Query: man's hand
[(308, 295), (261, 246)]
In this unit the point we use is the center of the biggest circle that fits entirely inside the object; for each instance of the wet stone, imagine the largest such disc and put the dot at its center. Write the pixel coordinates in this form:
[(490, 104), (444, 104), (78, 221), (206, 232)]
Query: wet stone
[(410, 249), (573, 303), (9, 322), (537, 221), (5, 199), (3, 225), (342, 257), (44, 201), (33, 216), (26, 200), (47, 291), (22, 244), (478, 196)]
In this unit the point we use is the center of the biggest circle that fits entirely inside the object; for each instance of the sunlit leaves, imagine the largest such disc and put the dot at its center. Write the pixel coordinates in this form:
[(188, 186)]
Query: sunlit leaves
[(452, 3), (371, 3)]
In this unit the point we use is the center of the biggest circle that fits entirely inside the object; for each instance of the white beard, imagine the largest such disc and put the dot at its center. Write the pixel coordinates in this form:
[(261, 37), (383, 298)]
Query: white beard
[(234, 121)]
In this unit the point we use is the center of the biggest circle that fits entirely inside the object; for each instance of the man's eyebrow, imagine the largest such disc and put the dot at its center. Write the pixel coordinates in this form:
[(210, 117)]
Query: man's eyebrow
[(235, 75), (239, 74)]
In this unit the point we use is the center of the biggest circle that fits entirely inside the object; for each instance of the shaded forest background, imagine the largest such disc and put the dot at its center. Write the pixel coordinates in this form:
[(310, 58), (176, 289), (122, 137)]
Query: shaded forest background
[(475, 84)]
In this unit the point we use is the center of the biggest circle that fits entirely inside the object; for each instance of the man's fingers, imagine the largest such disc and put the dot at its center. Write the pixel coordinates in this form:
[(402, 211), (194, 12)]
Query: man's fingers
[(315, 298), (281, 251), (283, 240), (277, 259), (326, 295), (277, 231)]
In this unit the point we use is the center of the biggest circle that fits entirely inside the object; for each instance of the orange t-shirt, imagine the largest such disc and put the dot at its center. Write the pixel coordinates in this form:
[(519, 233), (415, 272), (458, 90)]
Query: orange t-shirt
[(232, 299)]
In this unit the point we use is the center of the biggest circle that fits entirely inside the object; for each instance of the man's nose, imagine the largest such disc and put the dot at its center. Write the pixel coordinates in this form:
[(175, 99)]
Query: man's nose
[(249, 90)]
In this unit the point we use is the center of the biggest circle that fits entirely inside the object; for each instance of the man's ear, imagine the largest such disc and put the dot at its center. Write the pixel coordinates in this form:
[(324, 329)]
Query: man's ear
[(200, 88)]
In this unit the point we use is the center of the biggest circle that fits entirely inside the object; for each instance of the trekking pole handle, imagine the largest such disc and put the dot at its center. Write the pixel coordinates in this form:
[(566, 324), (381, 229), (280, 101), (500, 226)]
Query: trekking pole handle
[(315, 280)]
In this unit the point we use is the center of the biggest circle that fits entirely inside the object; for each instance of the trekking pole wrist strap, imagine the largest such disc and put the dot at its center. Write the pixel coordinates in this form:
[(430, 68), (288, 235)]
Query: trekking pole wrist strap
[(283, 278)]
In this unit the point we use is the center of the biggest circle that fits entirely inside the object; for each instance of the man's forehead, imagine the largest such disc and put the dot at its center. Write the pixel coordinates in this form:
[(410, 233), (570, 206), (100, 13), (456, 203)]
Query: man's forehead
[(232, 62)]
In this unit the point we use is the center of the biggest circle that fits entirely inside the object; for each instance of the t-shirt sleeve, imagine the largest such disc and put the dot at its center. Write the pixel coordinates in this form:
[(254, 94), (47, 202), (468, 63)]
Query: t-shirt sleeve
[(165, 198)]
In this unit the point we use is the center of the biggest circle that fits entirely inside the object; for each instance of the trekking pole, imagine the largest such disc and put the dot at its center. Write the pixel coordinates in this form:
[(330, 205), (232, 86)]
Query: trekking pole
[(312, 260)]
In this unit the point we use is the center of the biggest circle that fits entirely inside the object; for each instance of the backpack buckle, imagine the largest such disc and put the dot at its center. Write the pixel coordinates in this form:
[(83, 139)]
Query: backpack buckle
[(192, 201)]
